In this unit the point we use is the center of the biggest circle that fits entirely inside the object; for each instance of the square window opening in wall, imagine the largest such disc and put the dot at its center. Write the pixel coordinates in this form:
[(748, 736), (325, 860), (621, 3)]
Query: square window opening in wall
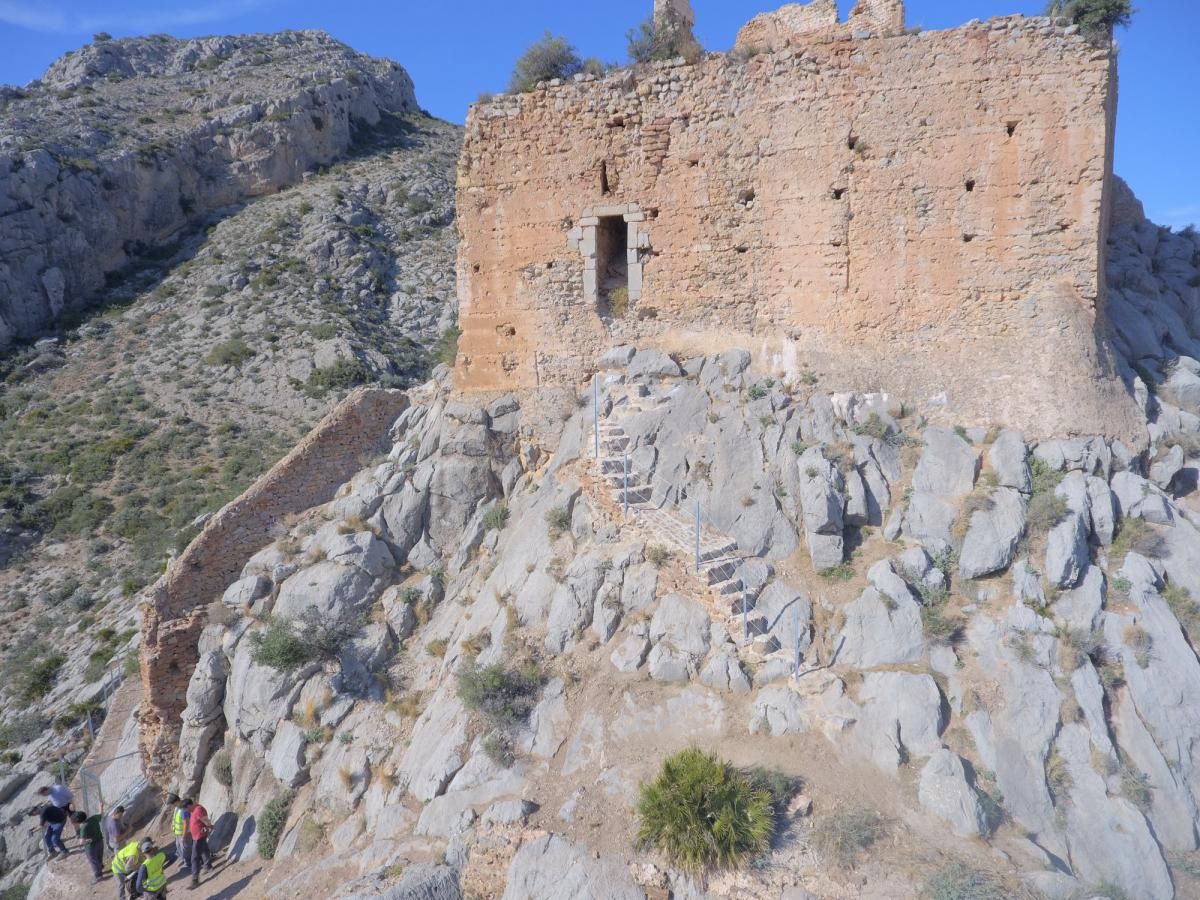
[(612, 266)]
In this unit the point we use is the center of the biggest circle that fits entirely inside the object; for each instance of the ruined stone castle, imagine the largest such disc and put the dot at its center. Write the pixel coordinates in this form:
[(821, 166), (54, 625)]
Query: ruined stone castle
[(918, 212)]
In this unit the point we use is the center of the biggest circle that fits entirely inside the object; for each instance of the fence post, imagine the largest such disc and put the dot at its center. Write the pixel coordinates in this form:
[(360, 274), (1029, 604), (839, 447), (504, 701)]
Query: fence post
[(697, 535), (596, 410), (625, 493), (745, 622), (796, 637)]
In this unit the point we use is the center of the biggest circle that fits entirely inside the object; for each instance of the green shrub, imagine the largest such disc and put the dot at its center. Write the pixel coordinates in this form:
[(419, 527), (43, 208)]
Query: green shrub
[(781, 786), (223, 768), (652, 41), (1138, 536), (36, 680), (658, 556), (496, 517), (504, 696), (1045, 511), (1186, 611), (551, 57), (958, 881), (499, 749), (558, 520), (20, 730), (618, 302), (701, 813), (841, 836), (343, 374), (445, 350), (1095, 18), (940, 623), (233, 352), (271, 821), (15, 892), (280, 647)]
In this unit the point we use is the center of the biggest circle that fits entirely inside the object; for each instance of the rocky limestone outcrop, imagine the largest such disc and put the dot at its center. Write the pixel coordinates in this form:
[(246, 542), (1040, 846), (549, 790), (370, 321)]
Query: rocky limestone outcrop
[(154, 134)]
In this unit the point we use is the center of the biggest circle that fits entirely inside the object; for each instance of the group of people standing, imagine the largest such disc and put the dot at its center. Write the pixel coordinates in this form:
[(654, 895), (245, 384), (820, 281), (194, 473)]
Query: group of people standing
[(138, 866)]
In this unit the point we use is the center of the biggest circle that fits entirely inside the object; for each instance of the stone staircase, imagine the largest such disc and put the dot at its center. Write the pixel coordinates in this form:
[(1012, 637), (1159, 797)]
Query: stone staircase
[(672, 528)]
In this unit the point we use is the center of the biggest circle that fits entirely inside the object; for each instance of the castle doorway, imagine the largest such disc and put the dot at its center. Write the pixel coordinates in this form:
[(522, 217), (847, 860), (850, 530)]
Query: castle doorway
[(612, 266), (614, 242)]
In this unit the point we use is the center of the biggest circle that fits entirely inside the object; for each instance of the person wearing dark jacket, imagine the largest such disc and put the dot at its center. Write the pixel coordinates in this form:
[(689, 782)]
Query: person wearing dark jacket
[(52, 820)]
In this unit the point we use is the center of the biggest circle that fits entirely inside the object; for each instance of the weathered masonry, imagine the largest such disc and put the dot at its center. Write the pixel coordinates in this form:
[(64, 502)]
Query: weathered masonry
[(919, 212)]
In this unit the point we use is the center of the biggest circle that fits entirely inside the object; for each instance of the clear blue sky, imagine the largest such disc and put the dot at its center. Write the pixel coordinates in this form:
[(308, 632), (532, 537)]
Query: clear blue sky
[(456, 49)]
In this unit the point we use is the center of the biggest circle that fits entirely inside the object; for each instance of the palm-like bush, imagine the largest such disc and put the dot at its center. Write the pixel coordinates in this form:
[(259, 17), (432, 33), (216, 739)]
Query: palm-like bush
[(702, 813)]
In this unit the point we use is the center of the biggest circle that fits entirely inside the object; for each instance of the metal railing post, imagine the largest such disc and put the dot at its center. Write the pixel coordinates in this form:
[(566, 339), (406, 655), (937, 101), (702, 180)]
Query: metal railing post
[(796, 637), (697, 535), (625, 493), (596, 410), (745, 621)]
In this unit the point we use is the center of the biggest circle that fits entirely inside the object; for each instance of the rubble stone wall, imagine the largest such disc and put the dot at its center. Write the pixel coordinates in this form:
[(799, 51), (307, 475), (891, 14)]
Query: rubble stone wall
[(922, 213), (176, 610)]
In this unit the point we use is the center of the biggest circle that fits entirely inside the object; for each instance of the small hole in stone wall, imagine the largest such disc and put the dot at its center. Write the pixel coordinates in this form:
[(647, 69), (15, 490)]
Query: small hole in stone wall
[(741, 248), (604, 186), (967, 238), (506, 330), (475, 267), (1011, 127), (970, 185), (746, 195), (549, 265), (839, 193), (852, 142)]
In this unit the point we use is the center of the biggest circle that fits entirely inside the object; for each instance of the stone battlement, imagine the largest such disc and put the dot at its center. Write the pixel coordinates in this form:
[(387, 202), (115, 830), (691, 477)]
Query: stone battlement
[(923, 212)]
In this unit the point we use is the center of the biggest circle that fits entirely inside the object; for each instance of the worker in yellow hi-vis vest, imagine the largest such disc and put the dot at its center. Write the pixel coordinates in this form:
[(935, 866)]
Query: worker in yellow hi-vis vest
[(151, 879), (125, 867), (179, 827)]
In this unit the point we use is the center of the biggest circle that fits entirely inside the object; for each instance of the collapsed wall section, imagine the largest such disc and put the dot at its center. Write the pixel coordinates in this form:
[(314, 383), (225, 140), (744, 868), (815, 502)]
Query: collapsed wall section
[(176, 611), (917, 212)]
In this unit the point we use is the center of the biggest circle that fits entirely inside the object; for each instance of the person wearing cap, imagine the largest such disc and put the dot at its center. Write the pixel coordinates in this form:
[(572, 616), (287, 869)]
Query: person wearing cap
[(151, 879), (125, 867), (179, 827)]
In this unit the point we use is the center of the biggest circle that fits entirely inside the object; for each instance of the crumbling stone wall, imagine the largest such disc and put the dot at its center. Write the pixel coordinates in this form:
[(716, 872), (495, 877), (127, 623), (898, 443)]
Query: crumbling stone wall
[(922, 213), (176, 610)]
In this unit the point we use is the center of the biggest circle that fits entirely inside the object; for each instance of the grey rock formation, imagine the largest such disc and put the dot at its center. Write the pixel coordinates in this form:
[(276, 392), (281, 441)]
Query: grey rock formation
[(883, 626), (945, 792), (993, 535), (820, 486), (948, 465), (287, 755), (419, 881), (554, 868), (1067, 544), (1008, 460)]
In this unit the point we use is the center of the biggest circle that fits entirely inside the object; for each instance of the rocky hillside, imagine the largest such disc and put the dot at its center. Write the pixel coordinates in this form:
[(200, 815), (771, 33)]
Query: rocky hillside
[(201, 363), (455, 673), (964, 664), (125, 144)]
